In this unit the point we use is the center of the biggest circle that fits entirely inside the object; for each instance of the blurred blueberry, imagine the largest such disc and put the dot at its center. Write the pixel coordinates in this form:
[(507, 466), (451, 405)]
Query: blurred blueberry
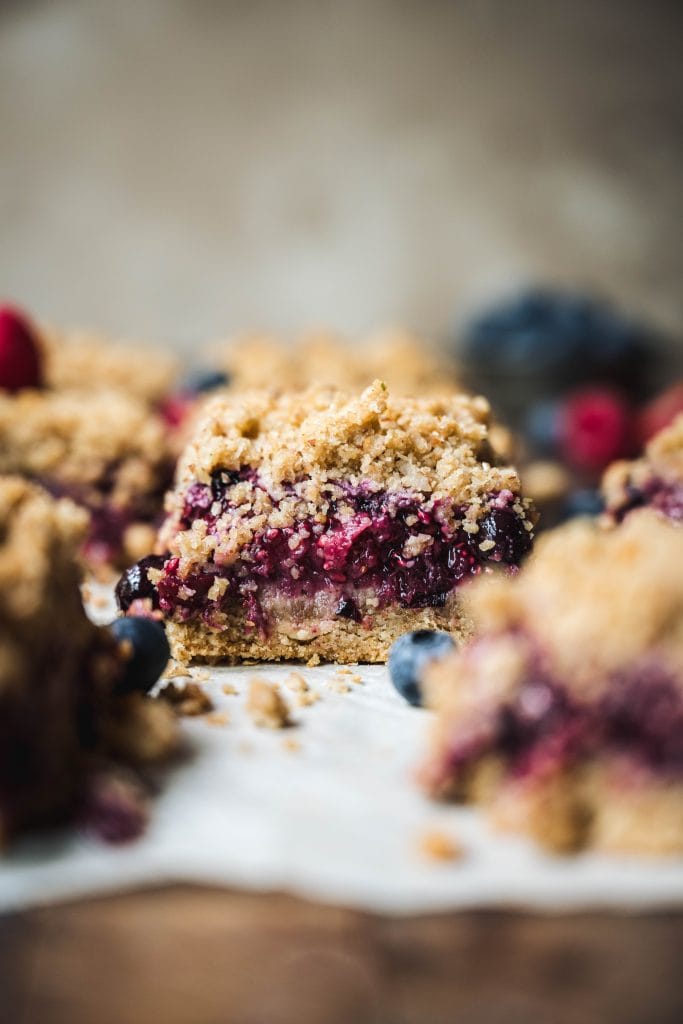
[(408, 656), (563, 338), (149, 652), (198, 382)]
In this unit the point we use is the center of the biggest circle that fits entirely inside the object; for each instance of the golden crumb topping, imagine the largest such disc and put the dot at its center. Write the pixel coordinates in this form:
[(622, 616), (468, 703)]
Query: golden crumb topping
[(408, 364), (78, 438), (438, 446), (80, 359)]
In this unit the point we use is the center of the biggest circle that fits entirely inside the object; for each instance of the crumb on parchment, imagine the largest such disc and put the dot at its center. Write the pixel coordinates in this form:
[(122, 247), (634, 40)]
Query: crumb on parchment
[(229, 689), (218, 718), (434, 844), (296, 682), (266, 706), (188, 699)]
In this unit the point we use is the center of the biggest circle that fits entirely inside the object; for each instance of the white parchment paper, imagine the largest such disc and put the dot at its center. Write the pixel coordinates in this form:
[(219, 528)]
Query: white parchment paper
[(339, 819)]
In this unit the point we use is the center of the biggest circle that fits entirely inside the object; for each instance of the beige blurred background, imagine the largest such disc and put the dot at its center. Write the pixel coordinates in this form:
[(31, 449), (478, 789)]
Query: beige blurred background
[(180, 168)]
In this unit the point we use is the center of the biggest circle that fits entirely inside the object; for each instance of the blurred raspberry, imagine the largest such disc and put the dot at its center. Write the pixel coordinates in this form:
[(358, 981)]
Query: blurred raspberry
[(595, 428), (20, 361), (176, 408), (659, 413)]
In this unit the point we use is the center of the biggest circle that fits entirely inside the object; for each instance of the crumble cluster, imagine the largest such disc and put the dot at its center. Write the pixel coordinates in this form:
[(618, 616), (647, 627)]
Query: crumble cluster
[(310, 447), (662, 463), (408, 364), (80, 359), (62, 722)]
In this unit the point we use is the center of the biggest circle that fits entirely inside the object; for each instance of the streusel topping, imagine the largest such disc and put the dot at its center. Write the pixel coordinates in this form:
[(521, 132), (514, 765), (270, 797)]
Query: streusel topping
[(81, 359), (438, 446), (79, 437), (408, 364), (592, 603)]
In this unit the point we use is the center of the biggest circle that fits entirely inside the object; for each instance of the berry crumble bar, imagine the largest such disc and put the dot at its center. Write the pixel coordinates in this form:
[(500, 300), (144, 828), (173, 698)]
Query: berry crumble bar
[(104, 450), (564, 716), (70, 745), (319, 524), (653, 481)]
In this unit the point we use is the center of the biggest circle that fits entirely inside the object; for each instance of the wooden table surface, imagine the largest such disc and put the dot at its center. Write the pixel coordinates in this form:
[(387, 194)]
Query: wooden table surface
[(207, 956)]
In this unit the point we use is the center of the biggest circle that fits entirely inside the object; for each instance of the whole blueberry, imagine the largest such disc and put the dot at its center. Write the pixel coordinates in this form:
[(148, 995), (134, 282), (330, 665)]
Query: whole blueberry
[(134, 584), (202, 380), (409, 655), (149, 652), (585, 501)]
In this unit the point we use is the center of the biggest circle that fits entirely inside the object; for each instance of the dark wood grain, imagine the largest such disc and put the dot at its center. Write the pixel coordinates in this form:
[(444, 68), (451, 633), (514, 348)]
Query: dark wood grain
[(214, 957)]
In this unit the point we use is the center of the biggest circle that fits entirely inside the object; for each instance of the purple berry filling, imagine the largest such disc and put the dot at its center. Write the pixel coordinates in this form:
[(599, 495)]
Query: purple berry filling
[(665, 497), (361, 547), (544, 730)]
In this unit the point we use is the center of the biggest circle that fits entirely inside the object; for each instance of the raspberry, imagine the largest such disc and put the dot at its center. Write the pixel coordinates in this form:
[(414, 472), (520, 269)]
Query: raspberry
[(176, 408), (20, 360), (595, 428)]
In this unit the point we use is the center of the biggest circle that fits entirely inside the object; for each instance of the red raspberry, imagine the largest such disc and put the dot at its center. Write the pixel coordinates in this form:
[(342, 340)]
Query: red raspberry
[(595, 428), (20, 358), (660, 412), (176, 408)]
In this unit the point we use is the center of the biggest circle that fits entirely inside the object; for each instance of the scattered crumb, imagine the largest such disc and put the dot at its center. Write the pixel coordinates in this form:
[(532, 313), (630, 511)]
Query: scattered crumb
[(189, 699), (295, 681), (265, 705), (313, 660), (218, 718), (356, 678), (306, 698), (202, 675), (245, 747), (338, 685), (229, 689), (343, 670), (174, 670), (291, 745), (437, 845)]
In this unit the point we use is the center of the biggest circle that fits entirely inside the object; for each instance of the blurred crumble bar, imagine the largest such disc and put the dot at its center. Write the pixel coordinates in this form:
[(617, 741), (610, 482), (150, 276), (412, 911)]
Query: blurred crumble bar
[(564, 716), (68, 741)]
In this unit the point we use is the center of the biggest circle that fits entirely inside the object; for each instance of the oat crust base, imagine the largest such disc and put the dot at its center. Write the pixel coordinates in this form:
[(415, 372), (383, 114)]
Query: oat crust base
[(346, 642)]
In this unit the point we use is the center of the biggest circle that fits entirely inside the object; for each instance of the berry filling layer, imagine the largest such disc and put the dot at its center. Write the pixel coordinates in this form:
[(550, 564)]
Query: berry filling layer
[(363, 551), (544, 730)]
